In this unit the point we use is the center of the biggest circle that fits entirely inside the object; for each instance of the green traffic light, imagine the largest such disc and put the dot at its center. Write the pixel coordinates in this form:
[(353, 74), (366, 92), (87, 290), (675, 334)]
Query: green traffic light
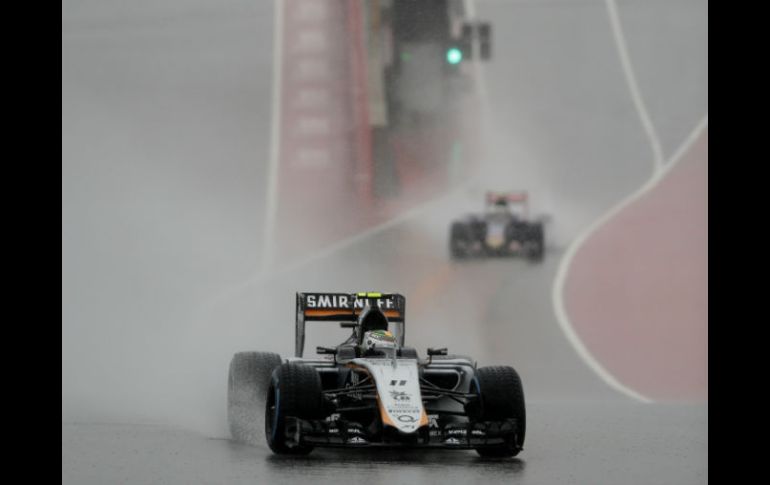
[(454, 55)]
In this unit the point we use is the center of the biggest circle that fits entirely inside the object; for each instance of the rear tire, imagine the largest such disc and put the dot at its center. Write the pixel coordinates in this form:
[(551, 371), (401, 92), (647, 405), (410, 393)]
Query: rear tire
[(247, 384), (295, 391), (501, 397), (457, 234)]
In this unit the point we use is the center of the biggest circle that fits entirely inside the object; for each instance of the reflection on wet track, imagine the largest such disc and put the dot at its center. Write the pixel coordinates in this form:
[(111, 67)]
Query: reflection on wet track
[(568, 442)]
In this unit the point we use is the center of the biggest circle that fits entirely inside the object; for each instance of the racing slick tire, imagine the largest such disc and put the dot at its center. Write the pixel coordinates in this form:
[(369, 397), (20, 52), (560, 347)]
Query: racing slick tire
[(500, 397), (457, 234), (537, 243), (247, 383), (295, 391)]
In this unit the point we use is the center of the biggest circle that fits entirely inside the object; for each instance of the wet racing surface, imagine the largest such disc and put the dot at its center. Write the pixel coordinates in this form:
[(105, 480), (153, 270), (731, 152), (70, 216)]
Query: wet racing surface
[(570, 443), (173, 172)]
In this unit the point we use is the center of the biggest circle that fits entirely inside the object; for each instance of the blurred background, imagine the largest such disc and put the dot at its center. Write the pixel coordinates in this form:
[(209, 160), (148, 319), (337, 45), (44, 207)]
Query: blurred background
[(218, 156)]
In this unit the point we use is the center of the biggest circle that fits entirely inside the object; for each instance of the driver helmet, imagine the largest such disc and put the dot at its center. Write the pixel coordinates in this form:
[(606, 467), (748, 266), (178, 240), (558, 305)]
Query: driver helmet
[(379, 339)]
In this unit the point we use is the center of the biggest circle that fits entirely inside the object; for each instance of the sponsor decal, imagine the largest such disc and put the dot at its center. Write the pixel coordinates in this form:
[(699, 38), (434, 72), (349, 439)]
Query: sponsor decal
[(334, 430), (406, 418), (460, 432), (381, 336), (400, 396), (402, 408), (433, 420), (357, 440), (354, 431), (452, 441), (477, 432), (397, 383), (388, 363), (343, 302)]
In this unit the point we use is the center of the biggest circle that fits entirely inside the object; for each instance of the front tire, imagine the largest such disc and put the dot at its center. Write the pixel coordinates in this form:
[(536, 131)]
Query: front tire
[(500, 397), (247, 384), (295, 391), (537, 242)]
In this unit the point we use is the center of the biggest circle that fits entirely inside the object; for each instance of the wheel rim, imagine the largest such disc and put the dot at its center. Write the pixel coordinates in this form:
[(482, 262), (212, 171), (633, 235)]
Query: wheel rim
[(272, 413)]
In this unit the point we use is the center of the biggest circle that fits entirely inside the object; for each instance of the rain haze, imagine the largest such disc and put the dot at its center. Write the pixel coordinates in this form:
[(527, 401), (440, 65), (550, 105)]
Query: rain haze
[(220, 156)]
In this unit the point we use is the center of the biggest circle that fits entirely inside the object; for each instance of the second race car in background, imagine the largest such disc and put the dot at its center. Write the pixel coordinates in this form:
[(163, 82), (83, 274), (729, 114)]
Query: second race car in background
[(504, 229)]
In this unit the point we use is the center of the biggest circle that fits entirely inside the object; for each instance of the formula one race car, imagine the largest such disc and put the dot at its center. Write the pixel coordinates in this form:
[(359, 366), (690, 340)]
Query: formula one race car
[(372, 390), (500, 231)]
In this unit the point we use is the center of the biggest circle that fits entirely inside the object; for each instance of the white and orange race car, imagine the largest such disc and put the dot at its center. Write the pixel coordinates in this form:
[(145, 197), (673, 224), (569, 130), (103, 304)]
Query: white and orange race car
[(372, 390), (504, 229)]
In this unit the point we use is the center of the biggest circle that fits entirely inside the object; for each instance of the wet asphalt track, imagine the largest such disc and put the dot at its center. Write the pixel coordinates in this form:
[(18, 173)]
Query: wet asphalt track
[(570, 443), (556, 83)]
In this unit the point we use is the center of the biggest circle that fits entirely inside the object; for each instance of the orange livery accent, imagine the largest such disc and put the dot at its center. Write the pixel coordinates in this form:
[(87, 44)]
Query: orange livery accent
[(384, 414), (424, 418), (342, 311)]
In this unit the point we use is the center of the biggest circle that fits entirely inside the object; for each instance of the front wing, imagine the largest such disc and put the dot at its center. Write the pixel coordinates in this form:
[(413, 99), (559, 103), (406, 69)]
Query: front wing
[(341, 433)]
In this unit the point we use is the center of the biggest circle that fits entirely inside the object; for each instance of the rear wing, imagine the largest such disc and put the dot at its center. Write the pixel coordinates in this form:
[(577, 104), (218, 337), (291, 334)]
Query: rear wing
[(493, 197), (345, 307), (521, 197)]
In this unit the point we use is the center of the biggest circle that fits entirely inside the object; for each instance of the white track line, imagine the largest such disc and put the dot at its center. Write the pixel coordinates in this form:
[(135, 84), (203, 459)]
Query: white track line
[(346, 243), (557, 294), (272, 187), (275, 137), (480, 83), (266, 276), (659, 169), (636, 95), (265, 273)]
